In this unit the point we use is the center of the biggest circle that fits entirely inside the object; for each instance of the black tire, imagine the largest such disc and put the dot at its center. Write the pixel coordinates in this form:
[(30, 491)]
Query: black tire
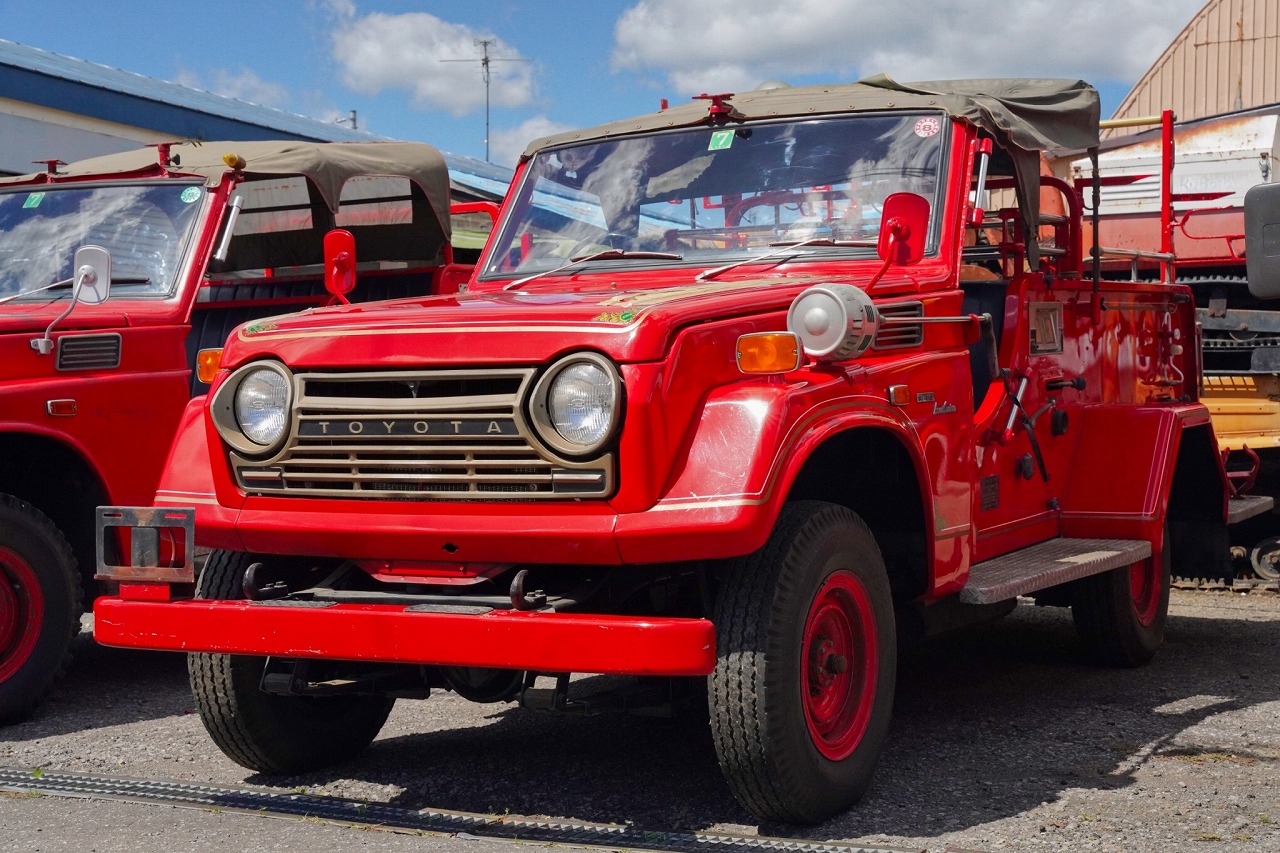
[(266, 732), (1120, 615), (798, 740), (40, 607)]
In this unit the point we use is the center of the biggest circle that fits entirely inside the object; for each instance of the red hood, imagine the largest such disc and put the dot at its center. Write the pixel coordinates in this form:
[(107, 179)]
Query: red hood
[(496, 327), (17, 317)]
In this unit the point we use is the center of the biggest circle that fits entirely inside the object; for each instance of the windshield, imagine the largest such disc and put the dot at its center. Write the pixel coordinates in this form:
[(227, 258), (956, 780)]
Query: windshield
[(144, 226), (713, 195)]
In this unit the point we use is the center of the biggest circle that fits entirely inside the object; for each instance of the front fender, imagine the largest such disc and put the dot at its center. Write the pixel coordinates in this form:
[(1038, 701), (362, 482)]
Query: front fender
[(191, 477), (749, 446)]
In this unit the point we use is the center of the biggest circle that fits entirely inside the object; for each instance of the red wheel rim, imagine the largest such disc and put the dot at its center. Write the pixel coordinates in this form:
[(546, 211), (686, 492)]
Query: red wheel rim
[(1144, 589), (839, 665), (21, 612)]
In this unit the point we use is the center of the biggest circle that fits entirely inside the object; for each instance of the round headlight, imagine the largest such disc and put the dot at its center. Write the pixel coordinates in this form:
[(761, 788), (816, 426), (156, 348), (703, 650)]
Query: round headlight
[(576, 404), (262, 406)]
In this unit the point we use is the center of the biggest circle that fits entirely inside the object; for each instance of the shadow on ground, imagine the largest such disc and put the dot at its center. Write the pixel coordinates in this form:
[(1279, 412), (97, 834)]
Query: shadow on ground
[(987, 725)]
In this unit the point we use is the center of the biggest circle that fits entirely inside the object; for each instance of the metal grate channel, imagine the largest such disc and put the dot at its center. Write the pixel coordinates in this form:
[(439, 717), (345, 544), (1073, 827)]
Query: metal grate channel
[(379, 815), (899, 335), (435, 435), (89, 352)]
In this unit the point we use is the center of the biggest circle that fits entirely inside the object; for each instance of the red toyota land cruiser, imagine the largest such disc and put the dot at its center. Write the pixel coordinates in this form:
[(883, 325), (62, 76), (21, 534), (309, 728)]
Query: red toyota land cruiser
[(115, 273), (741, 393)]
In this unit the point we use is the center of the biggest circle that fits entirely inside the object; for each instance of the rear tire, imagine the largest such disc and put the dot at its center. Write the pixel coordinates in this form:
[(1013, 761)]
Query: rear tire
[(802, 691), (266, 732), (40, 606), (1120, 615)]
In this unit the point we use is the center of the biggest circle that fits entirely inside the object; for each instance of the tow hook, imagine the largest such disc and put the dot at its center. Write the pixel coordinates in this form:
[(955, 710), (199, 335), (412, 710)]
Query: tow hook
[(521, 600), (253, 592)]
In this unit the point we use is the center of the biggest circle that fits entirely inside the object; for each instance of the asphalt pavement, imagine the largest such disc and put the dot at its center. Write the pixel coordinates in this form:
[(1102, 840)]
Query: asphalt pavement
[(1004, 738)]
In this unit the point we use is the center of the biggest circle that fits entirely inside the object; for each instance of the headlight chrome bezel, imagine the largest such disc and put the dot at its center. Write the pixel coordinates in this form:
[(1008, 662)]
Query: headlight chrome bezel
[(544, 421), (224, 405)]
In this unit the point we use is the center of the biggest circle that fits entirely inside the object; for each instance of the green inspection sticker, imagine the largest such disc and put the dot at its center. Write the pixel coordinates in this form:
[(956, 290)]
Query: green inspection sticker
[(33, 200), (720, 140), (190, 194)]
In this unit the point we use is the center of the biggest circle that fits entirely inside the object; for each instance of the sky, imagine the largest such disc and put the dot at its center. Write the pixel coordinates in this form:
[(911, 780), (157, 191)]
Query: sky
[(412, 70)]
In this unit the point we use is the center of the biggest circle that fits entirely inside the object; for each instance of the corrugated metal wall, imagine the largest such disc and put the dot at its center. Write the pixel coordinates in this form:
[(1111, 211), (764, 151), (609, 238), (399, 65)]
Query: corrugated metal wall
[(1226, 59)]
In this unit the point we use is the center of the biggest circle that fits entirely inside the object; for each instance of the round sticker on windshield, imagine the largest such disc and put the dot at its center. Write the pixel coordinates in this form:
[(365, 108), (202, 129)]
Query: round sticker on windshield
[(928, 126), (191, 194)]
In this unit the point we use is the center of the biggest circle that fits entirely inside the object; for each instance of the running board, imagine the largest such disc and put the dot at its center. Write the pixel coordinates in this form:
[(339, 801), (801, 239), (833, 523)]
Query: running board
[(1247, 506), (1048, 564)]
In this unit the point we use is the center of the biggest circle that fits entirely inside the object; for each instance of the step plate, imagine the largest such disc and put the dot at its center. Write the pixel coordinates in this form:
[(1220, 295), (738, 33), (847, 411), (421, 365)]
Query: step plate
[(1048, 564), (1247, 506)]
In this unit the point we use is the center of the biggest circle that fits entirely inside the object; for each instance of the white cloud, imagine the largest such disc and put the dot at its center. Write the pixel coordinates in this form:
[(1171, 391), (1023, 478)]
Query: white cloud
[(506, 146), (733, 45), (243, 85), (436, 61)]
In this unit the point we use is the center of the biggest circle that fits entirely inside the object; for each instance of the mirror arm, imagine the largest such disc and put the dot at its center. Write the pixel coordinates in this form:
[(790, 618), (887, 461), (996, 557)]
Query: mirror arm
[(341, 266), (896, 229), (44, 345)]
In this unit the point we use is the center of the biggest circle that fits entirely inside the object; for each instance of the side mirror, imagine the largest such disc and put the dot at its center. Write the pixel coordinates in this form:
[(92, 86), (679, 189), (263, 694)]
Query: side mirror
[(339, 263), (1262, 240), (904, 229), (90, 284), (92, 271)]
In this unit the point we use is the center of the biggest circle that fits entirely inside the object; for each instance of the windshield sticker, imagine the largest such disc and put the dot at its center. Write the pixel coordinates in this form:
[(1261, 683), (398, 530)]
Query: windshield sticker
[(33, 200), (720, 140), (928, 126), (189, 195)]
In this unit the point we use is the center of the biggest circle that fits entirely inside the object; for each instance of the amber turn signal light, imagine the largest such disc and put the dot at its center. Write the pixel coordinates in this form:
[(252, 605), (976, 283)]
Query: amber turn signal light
[(208, 363), (768, 352)]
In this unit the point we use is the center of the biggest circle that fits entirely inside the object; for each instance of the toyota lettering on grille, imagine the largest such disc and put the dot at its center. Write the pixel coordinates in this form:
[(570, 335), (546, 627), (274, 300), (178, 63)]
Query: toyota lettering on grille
[(368, 427)]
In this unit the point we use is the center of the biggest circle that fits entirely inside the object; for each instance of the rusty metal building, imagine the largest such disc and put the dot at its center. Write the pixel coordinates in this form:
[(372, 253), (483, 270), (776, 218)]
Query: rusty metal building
[(1226, 59)]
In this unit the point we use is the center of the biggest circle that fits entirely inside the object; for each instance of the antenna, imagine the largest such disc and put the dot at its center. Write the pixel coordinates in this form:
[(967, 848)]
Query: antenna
[(484, 60)]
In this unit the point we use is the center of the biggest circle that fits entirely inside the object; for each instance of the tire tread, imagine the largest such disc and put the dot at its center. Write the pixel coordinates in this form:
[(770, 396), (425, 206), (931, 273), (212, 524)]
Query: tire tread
[(14, 708)]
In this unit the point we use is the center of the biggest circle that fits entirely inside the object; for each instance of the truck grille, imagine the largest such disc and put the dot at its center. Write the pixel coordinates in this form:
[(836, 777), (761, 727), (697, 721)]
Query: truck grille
[(421, 436)]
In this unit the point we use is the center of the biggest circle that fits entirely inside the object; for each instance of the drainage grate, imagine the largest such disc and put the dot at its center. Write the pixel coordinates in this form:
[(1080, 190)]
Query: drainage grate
[(463, 824)]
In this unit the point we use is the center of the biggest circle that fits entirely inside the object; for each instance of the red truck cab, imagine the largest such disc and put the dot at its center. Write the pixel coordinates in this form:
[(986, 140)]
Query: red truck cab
[(188, 241), (740, 394)]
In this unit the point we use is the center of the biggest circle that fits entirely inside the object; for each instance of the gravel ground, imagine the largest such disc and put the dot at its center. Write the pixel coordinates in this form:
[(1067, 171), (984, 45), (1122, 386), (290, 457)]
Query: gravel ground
[(1003, 739)]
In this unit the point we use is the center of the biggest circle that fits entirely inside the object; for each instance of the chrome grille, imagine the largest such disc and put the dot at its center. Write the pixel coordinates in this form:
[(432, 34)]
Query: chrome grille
[(438, 435)]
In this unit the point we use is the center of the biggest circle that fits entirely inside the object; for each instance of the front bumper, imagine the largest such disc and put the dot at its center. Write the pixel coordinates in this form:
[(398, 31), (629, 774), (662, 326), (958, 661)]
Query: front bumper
[(542, 641)]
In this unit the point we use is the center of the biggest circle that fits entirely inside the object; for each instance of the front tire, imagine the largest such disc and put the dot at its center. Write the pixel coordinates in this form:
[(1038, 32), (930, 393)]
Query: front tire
[(40, 607), (262, 731), (1120, 615), (802, 691)]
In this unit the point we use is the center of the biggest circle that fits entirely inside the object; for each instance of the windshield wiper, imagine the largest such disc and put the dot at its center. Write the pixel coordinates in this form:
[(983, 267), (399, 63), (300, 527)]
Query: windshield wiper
[(68, 282), (786, 247), (606, 255)]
